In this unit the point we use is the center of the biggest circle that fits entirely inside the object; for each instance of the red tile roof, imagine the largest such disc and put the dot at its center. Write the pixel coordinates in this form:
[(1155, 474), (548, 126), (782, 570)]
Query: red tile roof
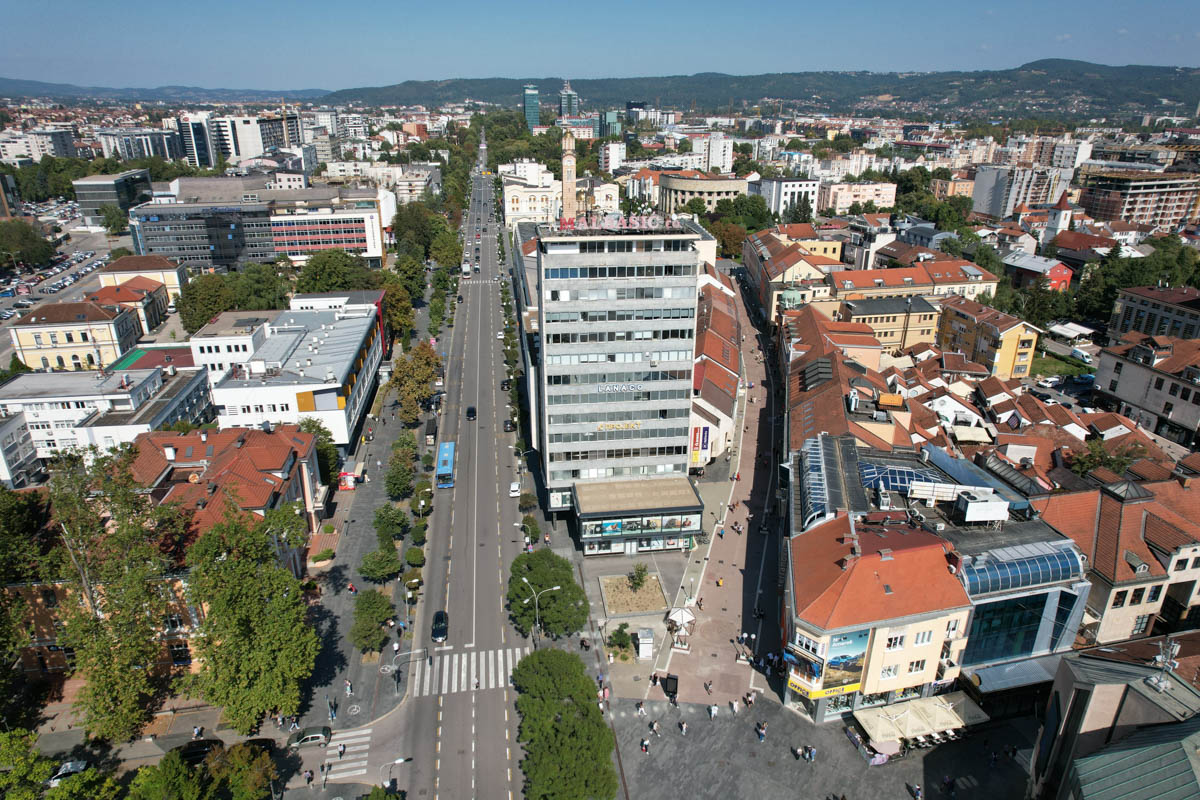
[(900, 573)]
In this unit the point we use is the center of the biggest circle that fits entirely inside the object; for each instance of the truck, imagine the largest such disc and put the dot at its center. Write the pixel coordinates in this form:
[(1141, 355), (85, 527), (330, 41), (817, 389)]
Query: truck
[(466, 269)]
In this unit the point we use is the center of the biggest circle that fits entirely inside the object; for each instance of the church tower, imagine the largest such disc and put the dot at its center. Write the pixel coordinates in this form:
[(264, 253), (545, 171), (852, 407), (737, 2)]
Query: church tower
[(568, 176), (1058, 220)]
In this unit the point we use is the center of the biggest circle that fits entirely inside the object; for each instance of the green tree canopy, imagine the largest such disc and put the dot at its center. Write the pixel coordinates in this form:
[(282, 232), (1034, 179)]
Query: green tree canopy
[(203, 298), (568, 746), (335, 271), (327, 452), (169, 778), (23, 770), (18, 239), (256, 647), (562, 612), (260, 287), (114, 220)]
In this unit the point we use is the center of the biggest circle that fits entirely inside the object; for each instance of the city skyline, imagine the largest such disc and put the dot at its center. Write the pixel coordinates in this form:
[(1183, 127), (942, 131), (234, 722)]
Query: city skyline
[(480, 44)]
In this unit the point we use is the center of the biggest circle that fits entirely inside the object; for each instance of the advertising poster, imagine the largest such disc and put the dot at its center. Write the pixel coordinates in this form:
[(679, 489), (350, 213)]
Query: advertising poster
[(611, 527), (651, 524), (844, 661), (689, 522)]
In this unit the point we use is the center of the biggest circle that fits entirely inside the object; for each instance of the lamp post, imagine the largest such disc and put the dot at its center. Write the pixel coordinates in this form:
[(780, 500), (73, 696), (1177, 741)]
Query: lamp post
[(537, 617), (389, 765), (520, 456), (528, 533), (421, 500), (396, 671)]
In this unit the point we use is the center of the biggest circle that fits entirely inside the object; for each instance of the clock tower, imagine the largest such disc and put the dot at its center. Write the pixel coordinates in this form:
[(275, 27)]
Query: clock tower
[(568, 176)]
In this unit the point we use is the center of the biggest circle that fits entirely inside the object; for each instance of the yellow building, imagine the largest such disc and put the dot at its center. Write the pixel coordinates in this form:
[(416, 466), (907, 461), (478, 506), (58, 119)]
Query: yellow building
[(897, 322), (1001, 342), (74, 335), (954, 187), (157, 268), (873, 616)]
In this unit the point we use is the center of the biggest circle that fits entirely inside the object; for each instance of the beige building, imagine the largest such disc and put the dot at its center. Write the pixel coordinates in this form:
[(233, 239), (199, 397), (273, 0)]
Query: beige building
[(157, 268), (1005, 344), (897, 322), (840, 196), (74, 335), (954, 187), (674, 191)]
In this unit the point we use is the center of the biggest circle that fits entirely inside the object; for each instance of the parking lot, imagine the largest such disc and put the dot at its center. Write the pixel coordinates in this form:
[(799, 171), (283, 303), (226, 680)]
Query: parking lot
[(1074, 393)]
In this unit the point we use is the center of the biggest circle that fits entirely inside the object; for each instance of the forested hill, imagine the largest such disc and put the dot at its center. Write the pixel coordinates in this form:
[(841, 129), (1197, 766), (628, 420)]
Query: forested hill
[(1052, 87)]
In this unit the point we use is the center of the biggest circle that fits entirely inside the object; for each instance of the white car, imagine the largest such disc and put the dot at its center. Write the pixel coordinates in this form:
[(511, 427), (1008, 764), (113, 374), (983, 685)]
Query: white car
[(514, 489), (67, 770), (1048, 383), (499, 334)]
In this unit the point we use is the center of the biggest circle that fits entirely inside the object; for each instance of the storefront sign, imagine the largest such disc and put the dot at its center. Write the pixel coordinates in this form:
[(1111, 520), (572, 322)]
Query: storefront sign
[(619, 222), (704, 440), (619, 426), (614, 388)]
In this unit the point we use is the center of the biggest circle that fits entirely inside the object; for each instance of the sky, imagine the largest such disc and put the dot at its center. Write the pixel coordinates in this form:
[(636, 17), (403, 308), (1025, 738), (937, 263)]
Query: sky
[(306, 44)]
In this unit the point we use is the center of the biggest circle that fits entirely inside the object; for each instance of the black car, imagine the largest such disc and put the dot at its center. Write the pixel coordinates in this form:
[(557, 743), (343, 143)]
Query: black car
[(505, 385), (441, 626), (470, 413), (509, 426), (197, 750)]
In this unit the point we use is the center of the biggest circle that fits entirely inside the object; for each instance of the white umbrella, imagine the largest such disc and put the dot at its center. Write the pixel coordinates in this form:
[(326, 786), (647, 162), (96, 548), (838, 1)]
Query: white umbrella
[(681, 616)]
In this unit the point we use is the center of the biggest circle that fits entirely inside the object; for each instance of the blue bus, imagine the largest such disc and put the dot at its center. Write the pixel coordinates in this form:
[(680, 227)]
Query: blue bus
[(445, 465)]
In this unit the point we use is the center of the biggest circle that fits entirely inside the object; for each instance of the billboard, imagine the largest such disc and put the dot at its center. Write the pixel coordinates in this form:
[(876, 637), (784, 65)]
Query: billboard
[(844, 661)]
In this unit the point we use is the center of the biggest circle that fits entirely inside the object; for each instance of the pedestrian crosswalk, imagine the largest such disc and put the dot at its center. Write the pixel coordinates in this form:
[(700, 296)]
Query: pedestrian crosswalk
[(471, 670), (351, 762)]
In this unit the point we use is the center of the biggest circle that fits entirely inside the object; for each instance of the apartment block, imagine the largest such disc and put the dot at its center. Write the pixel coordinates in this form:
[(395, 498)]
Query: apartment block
[(1005, 344), (1155, 381), (999, 190), (1157, 311), (840, 196), (1165, 200)]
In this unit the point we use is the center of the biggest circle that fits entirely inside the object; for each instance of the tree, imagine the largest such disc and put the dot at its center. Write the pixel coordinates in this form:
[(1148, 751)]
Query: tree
[(335, 271), (400, 474), (412, 275), (445, 249), (1097, 456), (169, 778), (381, 565), (327, 453), (255, 645), (563, 611), (245, 771), (23, 770), (391, 522), (22, 515), (695, 206), (202, 299), (119, 252), (371, 611), (730, 237), (951, 245), (801, 212), (91, 784), (398, 312), (113, 553), (22, 241), (683, 145), (568, 746), (114, 220), (637, 578), (259, 287)]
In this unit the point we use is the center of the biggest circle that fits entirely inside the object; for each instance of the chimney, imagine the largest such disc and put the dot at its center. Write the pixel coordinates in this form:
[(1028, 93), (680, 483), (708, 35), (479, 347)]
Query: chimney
[(204, 436), (169, 452)]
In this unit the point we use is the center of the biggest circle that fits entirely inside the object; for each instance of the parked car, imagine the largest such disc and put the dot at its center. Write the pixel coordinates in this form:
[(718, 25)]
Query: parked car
[(316, 736), (514, 489), (197, 750), (65, 771), (1048, 383)]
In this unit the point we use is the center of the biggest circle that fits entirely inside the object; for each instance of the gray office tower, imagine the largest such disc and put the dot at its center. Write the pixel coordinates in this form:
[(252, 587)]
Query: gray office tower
[(530, 101), (617, 320)]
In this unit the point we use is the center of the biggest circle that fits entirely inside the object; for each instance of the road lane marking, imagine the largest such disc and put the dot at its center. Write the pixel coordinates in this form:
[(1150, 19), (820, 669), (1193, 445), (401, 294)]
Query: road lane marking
[(338, 775), (445, 678)]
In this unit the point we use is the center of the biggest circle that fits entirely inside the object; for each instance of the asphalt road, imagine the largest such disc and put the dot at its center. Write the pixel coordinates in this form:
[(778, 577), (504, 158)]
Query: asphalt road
[(458, 723)]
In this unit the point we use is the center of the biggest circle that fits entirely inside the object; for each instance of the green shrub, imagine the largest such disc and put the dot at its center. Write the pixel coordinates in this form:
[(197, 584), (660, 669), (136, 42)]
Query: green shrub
[(527, 502), (419, 532), (324, 555), (620, 638), (637, 578), (530, 524), (415, 557), (328, 529)]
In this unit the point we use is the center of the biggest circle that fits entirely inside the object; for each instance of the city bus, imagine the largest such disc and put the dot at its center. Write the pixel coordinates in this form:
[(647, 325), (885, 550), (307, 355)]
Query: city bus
[(445, 465)]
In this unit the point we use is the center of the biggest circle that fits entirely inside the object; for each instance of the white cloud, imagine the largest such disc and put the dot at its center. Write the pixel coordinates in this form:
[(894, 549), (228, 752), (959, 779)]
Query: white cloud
[(985, 47), (1062, 37), (1122, 31)]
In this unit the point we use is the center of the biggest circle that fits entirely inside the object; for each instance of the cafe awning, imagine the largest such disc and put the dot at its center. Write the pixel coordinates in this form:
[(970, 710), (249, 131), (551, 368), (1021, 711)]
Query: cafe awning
[(920, 717)]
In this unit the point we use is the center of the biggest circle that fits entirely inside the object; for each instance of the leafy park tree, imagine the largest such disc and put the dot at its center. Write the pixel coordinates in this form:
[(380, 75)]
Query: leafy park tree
[(203, 298), (381, 565), (400, 474), (243, 772), (256, 646), (371, 611), (422, 499), (411, 273), (114, 220), (445, 250), (19, 240), (23, 770), (335, 271), (91, 784), (952, 246), (397, 308), (327, 454), (683, 146), (560, 612), (391, 523), (169, 778), (568, 746), (112, 554), (260, 287), (695, 206)]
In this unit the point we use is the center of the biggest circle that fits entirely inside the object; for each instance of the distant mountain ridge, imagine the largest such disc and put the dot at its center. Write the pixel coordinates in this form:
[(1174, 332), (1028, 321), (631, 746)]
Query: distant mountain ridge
[(1054, 87), (16, 87), (1050, 87)]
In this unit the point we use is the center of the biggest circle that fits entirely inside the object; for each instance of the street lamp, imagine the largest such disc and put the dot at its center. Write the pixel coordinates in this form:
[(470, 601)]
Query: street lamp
[(537, 617), (421, 501), (389, 765), (527, 531)]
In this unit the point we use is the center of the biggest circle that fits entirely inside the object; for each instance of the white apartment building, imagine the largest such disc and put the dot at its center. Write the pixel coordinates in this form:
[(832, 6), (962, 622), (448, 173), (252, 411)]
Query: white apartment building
[(56, 142), (782, 194), (840, 196), (1070, 154), (19, 464), (1000, 189), (716, 150), (612, 156), (322, 364), (68, 410)]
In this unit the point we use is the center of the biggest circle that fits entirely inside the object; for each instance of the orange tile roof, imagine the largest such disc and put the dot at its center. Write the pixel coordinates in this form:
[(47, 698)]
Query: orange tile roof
[(900, 573)]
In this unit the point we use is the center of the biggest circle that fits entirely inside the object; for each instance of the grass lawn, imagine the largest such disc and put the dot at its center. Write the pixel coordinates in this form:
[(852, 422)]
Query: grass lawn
[(1052, 365)]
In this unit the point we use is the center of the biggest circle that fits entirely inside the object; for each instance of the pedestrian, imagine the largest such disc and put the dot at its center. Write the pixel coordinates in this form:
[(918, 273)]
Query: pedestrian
[(720, 581), (308, 777), (734, 705), (721, 532), (349, 687), (712, 711), (812, 755), (295, 726), (749, 699), (708, 688), (378, 464), (682, 728), (646, 746), (641, 708), (796, 751), (917, 795), (341, 750), (761, 731), (655, 728), (395, 649), (994, 757), (700, 605), (947, 784), (195, 732), (654, 679), (351, 589)]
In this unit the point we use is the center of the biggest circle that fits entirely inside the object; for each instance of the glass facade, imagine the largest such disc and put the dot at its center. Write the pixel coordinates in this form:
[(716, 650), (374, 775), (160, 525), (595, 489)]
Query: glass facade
[(1009, 629), (1036, 570)]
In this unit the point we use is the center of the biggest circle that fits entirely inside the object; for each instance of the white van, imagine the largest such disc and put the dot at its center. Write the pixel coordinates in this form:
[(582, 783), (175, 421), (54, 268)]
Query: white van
[(1081, 355)]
